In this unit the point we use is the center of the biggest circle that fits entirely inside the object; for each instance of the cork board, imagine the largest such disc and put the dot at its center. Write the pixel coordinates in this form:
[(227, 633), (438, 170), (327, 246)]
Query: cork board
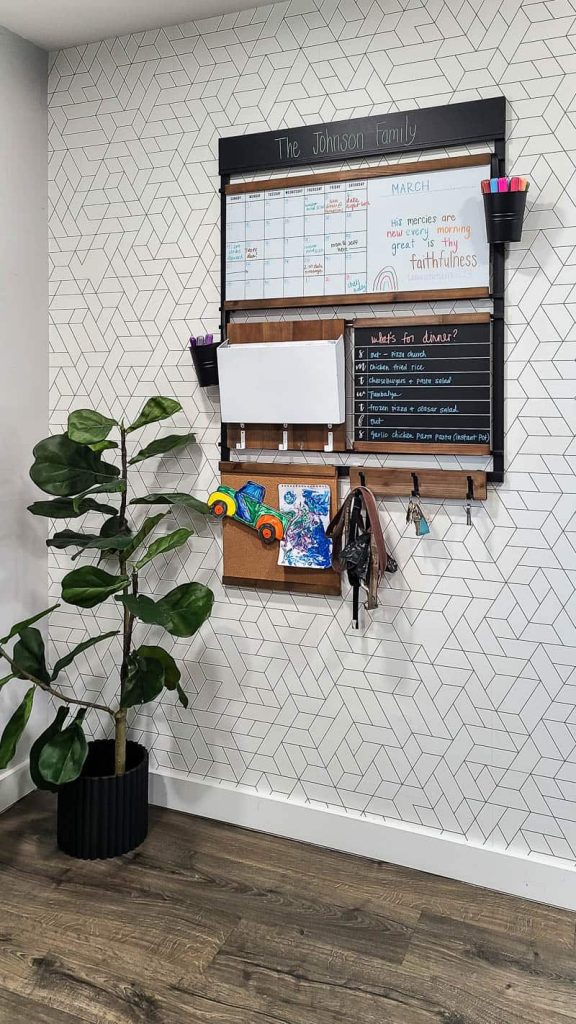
[(248, 562)]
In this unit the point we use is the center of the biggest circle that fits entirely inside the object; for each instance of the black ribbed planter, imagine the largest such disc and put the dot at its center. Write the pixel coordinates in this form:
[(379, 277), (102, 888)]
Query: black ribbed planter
[(100, 814)]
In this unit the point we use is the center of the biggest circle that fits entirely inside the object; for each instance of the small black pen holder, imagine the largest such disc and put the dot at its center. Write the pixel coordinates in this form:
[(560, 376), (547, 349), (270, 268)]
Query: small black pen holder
[(206, 363), (504, 216)]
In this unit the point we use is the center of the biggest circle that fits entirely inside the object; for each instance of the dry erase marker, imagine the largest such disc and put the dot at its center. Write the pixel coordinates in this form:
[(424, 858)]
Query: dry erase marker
[(486, 185), (192, 342), (502, 184), (515, 184), (493, 184), (209, 339)]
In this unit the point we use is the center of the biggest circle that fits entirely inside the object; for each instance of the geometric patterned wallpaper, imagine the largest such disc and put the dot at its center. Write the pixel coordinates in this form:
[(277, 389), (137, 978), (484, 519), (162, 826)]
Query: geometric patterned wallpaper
[(453, 708)]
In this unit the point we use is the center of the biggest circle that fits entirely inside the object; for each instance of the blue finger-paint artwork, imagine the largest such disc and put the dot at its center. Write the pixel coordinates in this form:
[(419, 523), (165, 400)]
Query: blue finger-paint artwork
[(305, 545)]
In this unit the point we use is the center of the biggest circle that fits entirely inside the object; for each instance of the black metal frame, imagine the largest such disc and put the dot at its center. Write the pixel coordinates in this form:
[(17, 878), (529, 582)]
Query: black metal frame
[(452, 125), (224, 180)]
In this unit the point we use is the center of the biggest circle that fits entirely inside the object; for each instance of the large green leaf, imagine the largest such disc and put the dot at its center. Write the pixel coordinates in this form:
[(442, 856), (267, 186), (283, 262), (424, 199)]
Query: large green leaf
[(155, 409), (145, 680), (86, 426), (162, 446), (163, 545), (69, 658), (68, 508), (6, 679), (181, 612), (62, 757), (38, 745), (173, 498), (171, 670), (84, 541), (65, 468), (29, 655), (146, 528), (113, 527), (104, 446), (27, 622), (88, 586), (14, 729), (110, 487)]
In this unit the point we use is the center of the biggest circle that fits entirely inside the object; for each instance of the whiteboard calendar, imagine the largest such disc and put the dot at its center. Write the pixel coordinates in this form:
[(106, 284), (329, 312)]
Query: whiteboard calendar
[(408, 232)]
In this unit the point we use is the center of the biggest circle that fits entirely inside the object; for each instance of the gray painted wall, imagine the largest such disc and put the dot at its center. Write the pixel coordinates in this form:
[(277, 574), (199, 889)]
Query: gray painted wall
[(23, 334)]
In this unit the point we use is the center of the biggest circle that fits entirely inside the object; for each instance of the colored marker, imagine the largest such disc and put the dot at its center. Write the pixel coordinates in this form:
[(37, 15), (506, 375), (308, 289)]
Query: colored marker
[(493, 184), (486, 185), (502, 184)]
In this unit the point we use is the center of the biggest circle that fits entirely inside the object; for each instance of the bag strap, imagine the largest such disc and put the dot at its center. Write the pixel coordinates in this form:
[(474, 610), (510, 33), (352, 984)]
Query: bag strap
[(338, 528), (345, 524), (376, 531)]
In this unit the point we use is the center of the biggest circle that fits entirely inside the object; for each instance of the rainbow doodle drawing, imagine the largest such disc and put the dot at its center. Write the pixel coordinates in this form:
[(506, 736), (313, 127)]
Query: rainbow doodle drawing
[(386, 280), (305, 544)]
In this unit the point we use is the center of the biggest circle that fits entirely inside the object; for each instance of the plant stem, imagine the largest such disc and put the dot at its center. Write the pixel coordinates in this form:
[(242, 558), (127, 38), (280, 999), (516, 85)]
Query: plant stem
[(120, 742), (121, 715), (52, 689), (124, 478)]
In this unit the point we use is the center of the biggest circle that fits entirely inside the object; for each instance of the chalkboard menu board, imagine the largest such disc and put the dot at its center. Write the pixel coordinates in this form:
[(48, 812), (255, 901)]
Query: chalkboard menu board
[(423, 384)]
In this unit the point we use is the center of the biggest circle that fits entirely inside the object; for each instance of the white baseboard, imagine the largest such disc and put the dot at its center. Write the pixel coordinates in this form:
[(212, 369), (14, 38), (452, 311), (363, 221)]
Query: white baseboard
[(15, 783), (532, 878)]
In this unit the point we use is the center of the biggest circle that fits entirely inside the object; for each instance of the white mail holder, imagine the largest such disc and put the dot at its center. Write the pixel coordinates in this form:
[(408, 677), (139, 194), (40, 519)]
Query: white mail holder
[(283, 382)]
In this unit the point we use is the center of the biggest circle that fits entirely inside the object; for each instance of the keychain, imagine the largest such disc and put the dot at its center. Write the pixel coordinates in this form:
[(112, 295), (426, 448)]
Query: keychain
[(468, 505), (468, 508), (414, 514)]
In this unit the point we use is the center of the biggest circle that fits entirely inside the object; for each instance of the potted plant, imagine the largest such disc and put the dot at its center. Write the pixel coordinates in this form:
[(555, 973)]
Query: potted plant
[(102, 785)]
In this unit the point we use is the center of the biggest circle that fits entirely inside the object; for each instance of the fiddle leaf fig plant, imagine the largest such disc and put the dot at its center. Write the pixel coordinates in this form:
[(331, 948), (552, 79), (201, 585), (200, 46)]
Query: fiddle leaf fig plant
[(71, 469)]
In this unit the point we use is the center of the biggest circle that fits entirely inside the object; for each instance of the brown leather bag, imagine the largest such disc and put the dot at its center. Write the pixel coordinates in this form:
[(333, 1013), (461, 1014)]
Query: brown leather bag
[(359, 548)]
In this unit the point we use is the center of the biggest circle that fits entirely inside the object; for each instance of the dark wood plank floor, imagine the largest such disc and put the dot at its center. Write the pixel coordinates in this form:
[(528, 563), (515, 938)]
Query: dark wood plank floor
[(209, 924)]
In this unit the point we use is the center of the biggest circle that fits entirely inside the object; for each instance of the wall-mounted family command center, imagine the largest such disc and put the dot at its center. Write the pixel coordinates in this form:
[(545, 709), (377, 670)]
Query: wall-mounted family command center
[(413, 229)]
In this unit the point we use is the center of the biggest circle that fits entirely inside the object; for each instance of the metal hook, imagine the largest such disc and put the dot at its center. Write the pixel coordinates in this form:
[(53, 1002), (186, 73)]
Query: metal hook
[(415, 486), (469, 499), (362, 479)]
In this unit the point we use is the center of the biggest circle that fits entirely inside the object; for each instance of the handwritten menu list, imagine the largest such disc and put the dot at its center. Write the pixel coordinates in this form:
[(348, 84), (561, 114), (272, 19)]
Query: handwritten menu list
[(423, 384)]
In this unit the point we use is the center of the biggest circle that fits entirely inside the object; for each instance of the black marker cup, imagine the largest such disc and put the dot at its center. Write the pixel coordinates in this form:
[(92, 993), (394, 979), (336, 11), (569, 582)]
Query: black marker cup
[(504, 213), (206, 363)]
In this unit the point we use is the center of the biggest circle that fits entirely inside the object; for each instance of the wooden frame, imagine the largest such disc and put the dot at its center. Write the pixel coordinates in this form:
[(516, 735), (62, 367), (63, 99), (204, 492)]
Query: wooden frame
[(382, 171), (366, 298), (432, 483), (411, 448)]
